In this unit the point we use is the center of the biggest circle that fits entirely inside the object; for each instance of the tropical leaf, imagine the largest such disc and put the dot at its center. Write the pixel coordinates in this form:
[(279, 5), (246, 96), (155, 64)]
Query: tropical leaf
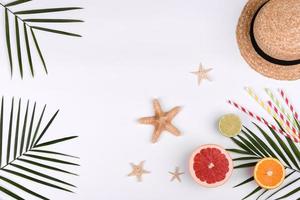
[(24, 30), (275, 146), (253, 192), (285, 186), (26, 157), (238, 151), (248, 180), (294, 191), (255, 143)]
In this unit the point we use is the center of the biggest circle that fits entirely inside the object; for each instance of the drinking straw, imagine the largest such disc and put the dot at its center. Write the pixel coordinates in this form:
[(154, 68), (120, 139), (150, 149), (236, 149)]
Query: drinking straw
[(288, 103), (280, 106), (283, 120), (262, 120), (267, 108), (260, 102)]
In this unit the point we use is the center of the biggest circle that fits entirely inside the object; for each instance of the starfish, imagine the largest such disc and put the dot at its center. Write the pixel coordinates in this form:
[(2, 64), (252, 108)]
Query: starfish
[(202, 74), (176, 174), (161, 121), (138, 171)]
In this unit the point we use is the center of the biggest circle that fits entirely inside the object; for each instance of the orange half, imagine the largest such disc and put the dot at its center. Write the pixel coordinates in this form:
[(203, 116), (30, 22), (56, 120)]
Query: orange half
[(269, 173)]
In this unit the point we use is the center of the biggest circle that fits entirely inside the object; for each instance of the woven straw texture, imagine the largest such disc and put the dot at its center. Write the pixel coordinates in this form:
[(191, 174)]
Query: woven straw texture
[(273, 34)]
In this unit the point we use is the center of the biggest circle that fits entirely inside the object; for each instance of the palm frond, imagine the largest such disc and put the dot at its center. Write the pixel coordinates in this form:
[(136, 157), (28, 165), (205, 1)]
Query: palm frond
[(238, 151), (255, 143), (23, 148), (245, 165), (47, 10), (288, 184), (262, 143), (275, 146), (23, 25), (294, 191), (17, 2), (248, 180), (252, 193)]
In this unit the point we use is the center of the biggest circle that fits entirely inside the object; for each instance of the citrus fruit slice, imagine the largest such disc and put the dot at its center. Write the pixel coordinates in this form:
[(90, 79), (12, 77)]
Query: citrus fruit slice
[(230, 125), (210, 165), (269, 173)]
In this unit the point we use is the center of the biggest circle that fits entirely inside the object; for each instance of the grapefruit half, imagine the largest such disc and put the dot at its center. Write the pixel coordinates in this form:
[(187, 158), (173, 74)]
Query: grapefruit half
[(211, 165)]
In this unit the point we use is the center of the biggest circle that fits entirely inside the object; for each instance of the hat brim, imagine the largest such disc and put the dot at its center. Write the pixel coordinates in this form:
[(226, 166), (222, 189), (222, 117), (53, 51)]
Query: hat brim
[(256, 61)]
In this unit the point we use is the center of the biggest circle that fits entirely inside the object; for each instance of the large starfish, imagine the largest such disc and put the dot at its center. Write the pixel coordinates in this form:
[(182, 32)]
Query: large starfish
[(138, 171), (161, 121), (202, 74)]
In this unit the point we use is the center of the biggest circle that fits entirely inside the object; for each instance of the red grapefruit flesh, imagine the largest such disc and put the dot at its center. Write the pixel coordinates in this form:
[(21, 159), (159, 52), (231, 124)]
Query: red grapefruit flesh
[(210, 165)]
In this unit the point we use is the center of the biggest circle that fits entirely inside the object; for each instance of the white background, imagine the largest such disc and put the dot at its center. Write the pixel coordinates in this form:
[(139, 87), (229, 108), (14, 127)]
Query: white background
[(131, 52)]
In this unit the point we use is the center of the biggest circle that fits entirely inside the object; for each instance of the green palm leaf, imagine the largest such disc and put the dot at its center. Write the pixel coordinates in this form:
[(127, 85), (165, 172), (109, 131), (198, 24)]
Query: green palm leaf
[(250, 146), (238, 151), (285, 186), (1, 130), (35, 179), (45, 129), (292, 145), (262, 143), (41, 174), (55, 141), (55, 31), (294, 191), (29, 25), (50, 159), (253, 192), (39, 20), (37, 46), (48, 10), (28, 49), (17, 130), (248, 180), (19, 153), (274, 145), (10, 193), (18, 46), (285, 149), (24, 129), (262, 194), (7, 31), (246, 158), (245, 165), (255, 143), (52, 152), (17, 2), (45, 166), (21, 188), (294, 149), (243, 146), (10, 131)]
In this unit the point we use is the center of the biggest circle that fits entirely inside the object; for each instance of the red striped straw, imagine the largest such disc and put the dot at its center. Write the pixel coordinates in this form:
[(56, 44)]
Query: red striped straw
[(288, 103), (262, 120), (283, 119)]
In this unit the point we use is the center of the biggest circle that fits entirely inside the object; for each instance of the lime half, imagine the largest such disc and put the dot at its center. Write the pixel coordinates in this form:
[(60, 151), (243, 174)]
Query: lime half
[(230, 125)]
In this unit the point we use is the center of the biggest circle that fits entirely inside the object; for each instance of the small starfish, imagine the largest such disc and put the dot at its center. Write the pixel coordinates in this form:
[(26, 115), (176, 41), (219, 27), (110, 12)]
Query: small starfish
[(138, 171), (161, 121), (176, 174), (202, 74)]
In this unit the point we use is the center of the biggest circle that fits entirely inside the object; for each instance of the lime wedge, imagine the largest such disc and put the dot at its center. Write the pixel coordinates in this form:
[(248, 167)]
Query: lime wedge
[(230, 125)]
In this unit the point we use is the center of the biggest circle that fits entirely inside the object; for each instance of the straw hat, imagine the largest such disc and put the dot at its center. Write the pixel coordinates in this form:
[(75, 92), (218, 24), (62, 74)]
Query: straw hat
[(268, 35)]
